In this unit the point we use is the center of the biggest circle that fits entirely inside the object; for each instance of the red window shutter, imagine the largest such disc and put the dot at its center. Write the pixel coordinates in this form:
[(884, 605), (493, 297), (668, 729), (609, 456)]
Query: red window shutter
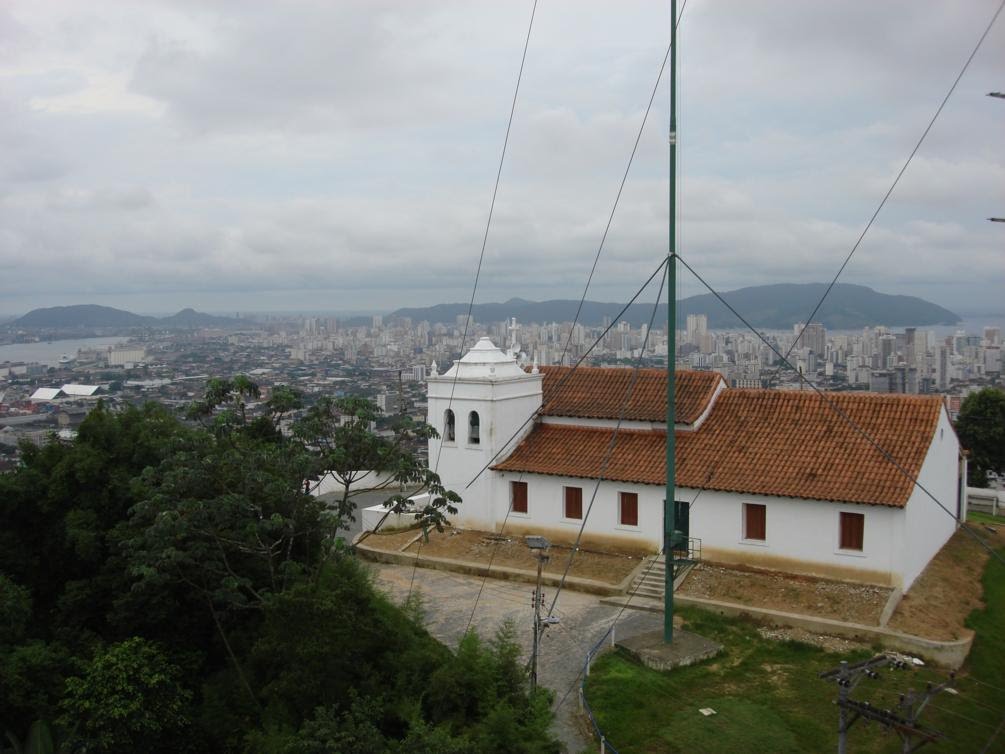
[(518, 497), (755, 523), (573, 502), (852, 531), (629, 509)]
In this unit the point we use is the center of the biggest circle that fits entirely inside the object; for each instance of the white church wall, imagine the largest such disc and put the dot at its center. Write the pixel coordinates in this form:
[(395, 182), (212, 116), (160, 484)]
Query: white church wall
[(801, 536), (546, 508), (927, 526)]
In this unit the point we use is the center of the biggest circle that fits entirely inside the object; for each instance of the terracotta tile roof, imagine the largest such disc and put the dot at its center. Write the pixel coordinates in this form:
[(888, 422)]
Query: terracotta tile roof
[(765, 442), (598, 393)]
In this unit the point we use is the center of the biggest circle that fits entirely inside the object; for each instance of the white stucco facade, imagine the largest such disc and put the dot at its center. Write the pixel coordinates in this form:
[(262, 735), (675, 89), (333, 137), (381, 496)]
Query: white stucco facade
[(800, 535), (491, 385)]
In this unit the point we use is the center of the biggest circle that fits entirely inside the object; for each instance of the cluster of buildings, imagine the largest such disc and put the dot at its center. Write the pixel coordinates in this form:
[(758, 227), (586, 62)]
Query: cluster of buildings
[(809, 476), (389, 360), (875, 359)]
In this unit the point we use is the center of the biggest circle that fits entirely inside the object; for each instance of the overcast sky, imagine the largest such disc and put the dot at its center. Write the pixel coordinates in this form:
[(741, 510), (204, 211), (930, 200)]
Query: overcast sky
[(251, 156)]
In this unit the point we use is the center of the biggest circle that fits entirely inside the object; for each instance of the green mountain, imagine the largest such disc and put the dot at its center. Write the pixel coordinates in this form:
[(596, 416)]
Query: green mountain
[(92, 316), (774, 307)]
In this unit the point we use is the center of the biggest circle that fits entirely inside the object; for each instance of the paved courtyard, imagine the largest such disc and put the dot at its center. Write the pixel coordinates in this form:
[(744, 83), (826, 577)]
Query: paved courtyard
[(450, 597)]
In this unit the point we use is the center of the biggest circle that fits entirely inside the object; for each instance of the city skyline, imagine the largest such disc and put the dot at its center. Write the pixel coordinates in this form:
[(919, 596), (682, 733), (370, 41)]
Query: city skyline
[(150, 163)]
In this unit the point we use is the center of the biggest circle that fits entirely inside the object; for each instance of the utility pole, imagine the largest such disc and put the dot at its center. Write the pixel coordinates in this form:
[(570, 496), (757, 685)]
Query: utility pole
[(904, 721), (539, 546), (669, 501)]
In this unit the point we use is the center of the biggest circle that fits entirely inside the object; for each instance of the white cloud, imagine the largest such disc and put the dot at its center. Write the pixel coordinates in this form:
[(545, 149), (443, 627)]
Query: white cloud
[(247, 147)]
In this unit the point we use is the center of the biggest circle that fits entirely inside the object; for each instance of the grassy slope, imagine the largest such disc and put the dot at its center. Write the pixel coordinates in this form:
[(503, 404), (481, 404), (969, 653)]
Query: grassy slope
[(769, 699)]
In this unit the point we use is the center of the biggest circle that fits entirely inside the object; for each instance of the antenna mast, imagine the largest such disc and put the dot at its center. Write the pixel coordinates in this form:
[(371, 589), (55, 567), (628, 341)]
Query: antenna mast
[(669, 502)]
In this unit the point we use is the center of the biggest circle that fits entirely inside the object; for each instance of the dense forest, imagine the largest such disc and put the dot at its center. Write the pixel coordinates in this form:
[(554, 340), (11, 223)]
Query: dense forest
[(167, 584)]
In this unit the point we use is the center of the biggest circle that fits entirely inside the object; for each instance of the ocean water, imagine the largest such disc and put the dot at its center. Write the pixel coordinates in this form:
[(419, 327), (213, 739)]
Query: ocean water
[(48, 353)]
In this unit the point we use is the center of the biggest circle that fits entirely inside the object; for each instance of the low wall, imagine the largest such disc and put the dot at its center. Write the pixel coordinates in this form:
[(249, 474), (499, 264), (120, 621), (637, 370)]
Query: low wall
[(987, 501), (367, 480), (373, 516), (950, 653), (497, 572)]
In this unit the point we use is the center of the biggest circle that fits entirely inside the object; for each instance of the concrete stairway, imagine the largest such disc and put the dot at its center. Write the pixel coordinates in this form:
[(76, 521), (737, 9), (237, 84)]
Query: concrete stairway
[(646, 591), (650, 581)]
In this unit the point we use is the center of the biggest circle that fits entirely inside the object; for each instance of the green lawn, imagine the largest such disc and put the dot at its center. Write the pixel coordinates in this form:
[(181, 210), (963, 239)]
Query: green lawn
[(985, 518), (769, 699)]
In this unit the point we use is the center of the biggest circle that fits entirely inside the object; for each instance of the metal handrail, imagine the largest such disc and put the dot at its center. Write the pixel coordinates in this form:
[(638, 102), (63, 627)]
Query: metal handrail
[(605, 745)]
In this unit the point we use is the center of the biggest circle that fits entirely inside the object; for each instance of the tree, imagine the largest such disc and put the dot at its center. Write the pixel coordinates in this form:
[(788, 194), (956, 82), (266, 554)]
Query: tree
[(226, 400), (981, 427), (15, 611), (320, 644), (351, 731), (128, 699), (338, 431), (149, 558), (227, 518), (60, 509)]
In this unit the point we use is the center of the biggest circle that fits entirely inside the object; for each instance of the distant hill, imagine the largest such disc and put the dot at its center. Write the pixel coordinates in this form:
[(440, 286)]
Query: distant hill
[(93, 316), (189, 318), (774, 307)]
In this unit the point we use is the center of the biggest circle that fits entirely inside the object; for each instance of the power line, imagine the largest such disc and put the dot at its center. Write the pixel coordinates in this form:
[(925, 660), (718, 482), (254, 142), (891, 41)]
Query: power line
[(983, 683), (987, 746), (488, 221), (488, 568), (481, 255), (961, 715), (565, 378), (844, 416), (614, 623), (621, 188), (610, 447), (558, 388), (896, 180), (868, 226)]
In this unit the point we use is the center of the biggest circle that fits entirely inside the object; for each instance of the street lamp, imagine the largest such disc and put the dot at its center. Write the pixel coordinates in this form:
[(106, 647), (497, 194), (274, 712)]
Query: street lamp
[(539, 546)]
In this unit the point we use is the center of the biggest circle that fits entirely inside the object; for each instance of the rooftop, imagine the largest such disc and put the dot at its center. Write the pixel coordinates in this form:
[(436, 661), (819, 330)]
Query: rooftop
[(598, 393), (764, 442)]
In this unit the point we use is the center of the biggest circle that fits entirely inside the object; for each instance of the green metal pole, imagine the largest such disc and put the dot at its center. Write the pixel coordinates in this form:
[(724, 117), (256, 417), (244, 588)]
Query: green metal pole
[(669, 509)]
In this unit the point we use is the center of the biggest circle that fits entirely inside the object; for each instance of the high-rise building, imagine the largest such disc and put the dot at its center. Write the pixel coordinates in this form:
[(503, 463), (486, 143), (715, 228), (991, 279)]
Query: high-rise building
[(697, 326), (942, 361), (813, 337), (910, 346)]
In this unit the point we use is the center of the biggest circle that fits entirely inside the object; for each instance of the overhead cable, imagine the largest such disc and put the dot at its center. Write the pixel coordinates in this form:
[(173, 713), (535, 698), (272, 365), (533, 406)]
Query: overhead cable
[(896, 180)]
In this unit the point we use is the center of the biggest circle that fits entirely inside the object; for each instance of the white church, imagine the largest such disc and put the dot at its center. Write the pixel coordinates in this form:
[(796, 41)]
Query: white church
[(765, 478)]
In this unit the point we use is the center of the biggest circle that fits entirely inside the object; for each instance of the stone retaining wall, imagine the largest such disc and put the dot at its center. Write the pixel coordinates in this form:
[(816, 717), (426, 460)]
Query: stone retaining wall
[(950, 653)]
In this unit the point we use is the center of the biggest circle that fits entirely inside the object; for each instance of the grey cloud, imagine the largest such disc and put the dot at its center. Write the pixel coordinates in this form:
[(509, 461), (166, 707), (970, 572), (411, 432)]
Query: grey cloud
[(352, 147)]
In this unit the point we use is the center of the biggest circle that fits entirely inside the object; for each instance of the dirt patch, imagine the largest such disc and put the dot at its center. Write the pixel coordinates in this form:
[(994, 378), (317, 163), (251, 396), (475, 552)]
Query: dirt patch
[(857, 603), (829, 643), (947, 590), (511, 552)]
